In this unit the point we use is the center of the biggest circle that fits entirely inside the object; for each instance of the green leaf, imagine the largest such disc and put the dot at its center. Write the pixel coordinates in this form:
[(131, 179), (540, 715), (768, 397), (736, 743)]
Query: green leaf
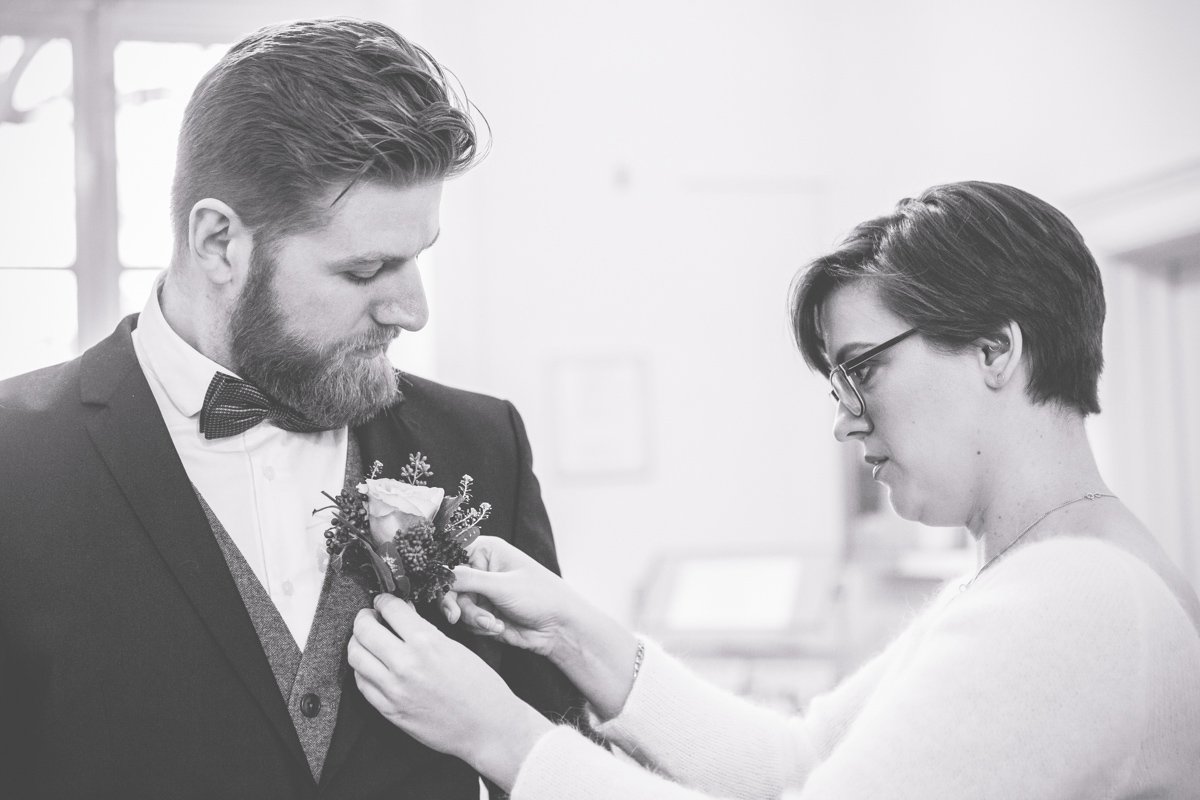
[(464, 538), (449, 506), (382, 571), (389, 549)]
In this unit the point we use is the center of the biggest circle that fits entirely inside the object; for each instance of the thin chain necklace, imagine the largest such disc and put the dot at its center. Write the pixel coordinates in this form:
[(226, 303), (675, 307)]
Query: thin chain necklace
[(1028, 528)]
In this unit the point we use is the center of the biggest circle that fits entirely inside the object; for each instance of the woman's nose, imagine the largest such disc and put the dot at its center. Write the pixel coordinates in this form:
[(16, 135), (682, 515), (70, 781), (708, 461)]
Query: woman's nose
[(403, 302), (846, 424)]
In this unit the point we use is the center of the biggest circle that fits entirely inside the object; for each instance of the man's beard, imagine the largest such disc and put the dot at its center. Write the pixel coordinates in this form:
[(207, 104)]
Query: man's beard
[(331, 385)]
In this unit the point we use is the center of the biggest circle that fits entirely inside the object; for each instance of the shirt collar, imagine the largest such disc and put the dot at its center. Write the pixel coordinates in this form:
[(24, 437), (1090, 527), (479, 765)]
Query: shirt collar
[(183, 371)]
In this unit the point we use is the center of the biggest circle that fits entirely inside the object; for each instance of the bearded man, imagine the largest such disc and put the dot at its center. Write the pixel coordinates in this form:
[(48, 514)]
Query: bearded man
[(170, 624)]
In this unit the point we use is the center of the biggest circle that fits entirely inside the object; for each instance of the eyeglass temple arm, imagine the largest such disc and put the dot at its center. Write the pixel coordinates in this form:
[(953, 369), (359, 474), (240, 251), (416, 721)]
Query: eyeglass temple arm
[(874, 351)]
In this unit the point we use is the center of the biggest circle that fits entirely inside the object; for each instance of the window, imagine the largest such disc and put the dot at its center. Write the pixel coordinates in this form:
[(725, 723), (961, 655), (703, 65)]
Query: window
[(128, 148), (91, 98), (153, 83), (38, 318)]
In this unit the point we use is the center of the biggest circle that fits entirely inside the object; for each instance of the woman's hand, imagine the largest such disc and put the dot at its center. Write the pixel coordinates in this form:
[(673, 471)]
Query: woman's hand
[(441, 693), (504, 593)]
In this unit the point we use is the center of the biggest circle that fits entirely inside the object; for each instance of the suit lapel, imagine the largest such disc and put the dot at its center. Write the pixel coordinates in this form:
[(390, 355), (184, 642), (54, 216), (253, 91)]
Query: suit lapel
[(391, 438), (387, 438), (130, 435)]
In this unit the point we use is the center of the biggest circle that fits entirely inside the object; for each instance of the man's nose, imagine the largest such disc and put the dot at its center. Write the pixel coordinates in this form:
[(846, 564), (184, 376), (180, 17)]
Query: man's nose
[(402, 300), (846, 424)]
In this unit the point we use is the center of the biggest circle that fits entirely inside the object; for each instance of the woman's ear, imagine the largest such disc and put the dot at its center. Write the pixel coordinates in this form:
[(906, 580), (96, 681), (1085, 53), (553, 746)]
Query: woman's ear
[(1000, 355), (213, 230)]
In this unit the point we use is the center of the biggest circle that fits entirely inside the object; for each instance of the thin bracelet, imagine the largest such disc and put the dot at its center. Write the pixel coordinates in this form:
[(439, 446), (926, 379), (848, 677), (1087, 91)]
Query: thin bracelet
[(637, 661)]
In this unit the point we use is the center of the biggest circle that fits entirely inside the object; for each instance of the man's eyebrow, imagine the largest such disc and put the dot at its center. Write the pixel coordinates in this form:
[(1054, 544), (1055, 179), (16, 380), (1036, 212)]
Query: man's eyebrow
[(377, 256)]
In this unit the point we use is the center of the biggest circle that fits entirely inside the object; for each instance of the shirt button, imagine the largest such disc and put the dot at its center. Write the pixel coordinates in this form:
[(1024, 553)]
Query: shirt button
[(269, 473), (288, 589), (310, 705)]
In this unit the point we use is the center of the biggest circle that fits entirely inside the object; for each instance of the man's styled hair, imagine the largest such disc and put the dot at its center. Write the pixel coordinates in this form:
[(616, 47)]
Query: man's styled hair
[(962, 261), (296, 110)]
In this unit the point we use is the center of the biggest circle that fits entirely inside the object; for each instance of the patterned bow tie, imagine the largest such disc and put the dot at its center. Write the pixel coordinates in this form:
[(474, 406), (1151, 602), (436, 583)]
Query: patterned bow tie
[(232, 406)]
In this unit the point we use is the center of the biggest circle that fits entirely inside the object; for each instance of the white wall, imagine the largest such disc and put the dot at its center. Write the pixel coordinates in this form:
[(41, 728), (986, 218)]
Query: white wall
[(1152, 395), (661, 168)]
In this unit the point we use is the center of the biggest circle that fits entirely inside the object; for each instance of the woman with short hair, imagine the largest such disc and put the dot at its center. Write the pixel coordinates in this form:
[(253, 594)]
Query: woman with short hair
[(962, 338)]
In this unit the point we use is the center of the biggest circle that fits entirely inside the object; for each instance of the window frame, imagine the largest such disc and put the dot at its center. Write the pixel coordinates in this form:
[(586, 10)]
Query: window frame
[(94, 30)]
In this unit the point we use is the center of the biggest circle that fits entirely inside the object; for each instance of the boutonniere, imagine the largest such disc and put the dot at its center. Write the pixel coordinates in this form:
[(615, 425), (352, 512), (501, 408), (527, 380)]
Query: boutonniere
[(409, 534)]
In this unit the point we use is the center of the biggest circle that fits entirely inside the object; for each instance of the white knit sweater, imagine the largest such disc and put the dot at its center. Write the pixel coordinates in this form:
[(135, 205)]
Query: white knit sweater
[(1067, 670)]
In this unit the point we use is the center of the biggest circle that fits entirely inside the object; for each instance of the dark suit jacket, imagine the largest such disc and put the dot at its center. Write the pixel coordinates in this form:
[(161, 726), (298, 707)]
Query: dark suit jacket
[(129, 666)]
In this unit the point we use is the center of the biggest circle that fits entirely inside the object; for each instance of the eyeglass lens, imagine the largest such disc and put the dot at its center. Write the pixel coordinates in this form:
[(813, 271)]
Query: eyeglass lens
[(844, 392)]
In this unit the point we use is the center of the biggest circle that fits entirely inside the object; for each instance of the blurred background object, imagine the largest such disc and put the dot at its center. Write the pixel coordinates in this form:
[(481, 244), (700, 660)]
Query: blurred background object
[(619, 265)]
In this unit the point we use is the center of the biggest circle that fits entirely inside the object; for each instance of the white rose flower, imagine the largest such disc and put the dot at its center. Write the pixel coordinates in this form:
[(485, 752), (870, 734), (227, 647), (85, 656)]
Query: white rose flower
[(395, 505)]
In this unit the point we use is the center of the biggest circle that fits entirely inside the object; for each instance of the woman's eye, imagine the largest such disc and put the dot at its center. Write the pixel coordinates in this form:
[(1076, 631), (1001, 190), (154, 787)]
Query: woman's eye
[(862, 373)]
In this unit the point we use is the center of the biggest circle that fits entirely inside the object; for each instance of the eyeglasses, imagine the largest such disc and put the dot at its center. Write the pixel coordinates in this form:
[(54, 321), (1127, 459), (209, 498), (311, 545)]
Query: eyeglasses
[(844, 389)]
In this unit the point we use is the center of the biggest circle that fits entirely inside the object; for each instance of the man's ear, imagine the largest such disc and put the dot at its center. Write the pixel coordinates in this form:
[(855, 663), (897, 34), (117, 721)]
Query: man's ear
[(215, 239), (1000, 354)]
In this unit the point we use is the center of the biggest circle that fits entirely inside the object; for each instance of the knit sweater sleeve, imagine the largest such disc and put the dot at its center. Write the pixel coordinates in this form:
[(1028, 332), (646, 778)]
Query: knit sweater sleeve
[(698, 736), (1033, 683)]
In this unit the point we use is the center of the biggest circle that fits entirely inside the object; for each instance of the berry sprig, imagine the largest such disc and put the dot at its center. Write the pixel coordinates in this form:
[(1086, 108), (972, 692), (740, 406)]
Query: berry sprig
[(417, 563)]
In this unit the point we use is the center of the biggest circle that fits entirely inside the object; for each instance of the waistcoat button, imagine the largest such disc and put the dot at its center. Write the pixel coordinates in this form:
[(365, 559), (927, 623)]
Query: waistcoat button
[(310, 705)]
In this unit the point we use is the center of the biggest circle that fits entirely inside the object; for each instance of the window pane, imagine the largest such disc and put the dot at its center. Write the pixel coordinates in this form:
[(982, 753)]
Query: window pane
[(38, 323), (154, 82), (37, 154), (135, 288)]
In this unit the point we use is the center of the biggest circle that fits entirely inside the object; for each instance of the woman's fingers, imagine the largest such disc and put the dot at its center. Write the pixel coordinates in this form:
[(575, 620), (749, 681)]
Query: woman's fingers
[(401, 617), (477, 617), (479, 551), (450, 607), (488, 584), (492, 554), (363, 661), (377, 639), (370, 673)]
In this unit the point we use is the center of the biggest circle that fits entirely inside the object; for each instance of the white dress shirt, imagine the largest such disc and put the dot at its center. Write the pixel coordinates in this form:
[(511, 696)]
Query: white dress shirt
[(262, 484)]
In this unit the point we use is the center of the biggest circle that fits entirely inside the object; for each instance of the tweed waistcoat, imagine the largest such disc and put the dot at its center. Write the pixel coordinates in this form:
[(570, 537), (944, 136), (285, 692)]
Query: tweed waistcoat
[(310, 681)]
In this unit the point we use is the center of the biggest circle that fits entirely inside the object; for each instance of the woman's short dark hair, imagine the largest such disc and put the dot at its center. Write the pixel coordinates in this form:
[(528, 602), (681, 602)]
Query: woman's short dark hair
[(295, 110), (962, 261)]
